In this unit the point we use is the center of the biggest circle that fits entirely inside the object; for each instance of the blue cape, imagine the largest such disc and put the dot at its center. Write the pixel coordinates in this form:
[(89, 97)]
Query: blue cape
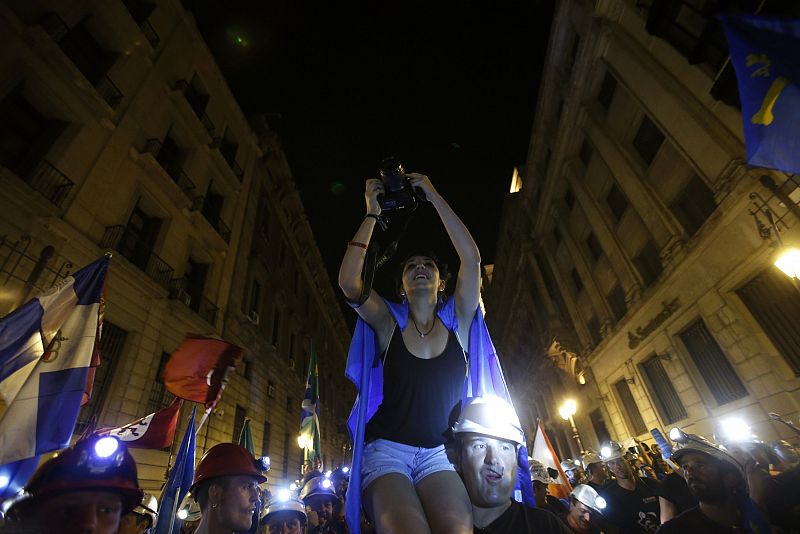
[(365, 370)]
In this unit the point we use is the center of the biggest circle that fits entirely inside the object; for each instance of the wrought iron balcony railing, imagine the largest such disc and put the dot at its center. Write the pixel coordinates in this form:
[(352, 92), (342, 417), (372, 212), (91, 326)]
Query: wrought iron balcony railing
[(228, 154), (173, 169), (50, 182), (198, 102), (109, 92), (150, 33), (179, 290), (148, 261), (216, 222), (208, 123), (87, 56), (140, 12)]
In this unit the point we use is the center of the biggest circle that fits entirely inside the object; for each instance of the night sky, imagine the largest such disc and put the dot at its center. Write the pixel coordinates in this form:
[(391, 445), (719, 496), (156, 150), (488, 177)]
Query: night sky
[(449, 89)]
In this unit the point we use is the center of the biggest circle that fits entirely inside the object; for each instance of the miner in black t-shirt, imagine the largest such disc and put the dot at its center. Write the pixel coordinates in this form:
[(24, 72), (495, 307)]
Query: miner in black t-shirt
[(631, 502), (488, 435), (674, 497), (718, 481), (596, 470)]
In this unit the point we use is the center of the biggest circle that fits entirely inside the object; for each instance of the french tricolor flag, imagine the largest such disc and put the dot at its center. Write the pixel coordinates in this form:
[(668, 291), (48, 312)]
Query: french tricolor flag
[(46, 350)]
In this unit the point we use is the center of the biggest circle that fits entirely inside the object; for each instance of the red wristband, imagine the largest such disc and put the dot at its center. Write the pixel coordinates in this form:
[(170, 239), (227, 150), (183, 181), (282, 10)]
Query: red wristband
[(356, 244)]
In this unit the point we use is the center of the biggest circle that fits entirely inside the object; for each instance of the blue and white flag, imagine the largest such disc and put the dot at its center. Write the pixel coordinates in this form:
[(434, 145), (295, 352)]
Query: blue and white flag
[(179, 481), (46, 349)]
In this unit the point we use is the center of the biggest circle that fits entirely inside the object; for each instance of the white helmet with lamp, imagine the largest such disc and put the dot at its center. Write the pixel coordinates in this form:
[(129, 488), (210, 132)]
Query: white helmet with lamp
[(686, 443), (569, 465), (318, 486), (611, 450), (590, 458), (588, 496), (539, 472), (285, 501)]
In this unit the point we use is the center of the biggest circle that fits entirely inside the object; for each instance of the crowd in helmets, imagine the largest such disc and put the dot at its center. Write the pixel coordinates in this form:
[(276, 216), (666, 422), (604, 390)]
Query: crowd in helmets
[(698, 485)]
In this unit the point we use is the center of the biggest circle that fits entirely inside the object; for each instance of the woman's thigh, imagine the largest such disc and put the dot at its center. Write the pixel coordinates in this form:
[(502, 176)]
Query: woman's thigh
[(446, 503), (392, 503)]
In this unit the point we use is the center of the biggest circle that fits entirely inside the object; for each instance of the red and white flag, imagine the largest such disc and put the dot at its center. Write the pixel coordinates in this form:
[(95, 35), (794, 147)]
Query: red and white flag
[(543, 451), (155, 431), (198, 370)]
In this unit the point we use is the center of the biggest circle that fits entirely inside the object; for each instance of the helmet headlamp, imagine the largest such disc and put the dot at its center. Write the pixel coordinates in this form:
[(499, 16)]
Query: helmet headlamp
[(677, 435), (326, 483), (605, 452), (106, 446), (600, 503), (102, 455), (345, 469), (284, 495), (263, 463), (183, 513)]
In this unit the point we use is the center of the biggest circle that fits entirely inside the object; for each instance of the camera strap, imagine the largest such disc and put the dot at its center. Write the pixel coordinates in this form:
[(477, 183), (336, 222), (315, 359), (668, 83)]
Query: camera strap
[(372, 262)]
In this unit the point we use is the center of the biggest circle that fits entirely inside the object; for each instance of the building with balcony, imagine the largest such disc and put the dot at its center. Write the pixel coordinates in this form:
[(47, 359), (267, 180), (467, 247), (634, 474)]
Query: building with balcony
[(635, 262), (119, 134)]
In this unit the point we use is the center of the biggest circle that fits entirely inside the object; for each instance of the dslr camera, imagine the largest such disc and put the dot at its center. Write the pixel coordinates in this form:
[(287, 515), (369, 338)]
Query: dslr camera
[(398, 192)]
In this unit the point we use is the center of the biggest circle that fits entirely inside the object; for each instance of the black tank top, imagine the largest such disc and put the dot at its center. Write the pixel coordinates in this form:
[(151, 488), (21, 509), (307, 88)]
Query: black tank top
[(418, 394)]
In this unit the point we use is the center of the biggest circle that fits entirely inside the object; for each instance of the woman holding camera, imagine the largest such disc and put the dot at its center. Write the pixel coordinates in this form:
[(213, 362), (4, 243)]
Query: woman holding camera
[(407, 483)]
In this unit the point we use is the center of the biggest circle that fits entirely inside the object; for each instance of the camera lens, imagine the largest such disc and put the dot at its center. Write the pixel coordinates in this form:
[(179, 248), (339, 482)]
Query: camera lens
[(392, 173)]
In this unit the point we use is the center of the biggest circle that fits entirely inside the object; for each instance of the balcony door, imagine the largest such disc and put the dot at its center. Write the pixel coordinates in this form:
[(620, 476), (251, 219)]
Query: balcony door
[(196, 274), (139, 237)]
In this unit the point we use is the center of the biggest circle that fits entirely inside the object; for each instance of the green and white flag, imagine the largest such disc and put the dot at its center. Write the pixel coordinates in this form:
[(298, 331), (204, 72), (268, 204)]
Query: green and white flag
[(309, 438)]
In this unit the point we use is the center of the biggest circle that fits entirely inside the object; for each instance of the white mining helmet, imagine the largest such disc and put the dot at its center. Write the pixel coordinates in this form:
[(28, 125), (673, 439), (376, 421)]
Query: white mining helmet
[(686, 443), (490, 416), (590, 458), (285, 503), (570, 465), (611, 450), (539, 472), (589, 497)]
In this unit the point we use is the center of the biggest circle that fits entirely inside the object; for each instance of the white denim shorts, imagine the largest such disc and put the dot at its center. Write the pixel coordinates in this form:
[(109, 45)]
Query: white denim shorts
[(382, 457)]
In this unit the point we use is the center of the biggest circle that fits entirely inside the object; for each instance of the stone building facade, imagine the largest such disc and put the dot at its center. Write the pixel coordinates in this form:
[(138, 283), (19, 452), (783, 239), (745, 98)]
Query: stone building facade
[(634, 270), (120, 134)]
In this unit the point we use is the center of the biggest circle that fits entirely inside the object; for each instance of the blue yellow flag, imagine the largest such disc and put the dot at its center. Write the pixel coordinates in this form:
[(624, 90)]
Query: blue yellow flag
[(764, 52)]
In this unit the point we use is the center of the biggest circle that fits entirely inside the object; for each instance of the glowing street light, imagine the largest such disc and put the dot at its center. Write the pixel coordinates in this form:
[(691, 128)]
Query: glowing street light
[(736, 429), (302, 440), (789, 262), (566, 411)]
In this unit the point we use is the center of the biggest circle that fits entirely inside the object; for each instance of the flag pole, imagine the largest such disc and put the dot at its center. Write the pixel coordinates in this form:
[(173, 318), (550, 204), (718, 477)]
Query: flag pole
[(172, 445), (203, 420), (175, 504), (210, 408), (173, 511)]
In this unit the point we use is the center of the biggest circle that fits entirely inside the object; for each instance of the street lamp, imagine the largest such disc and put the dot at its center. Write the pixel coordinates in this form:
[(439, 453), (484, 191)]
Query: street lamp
[(788, 258), (302, 441), (789, 262), (567, 411)]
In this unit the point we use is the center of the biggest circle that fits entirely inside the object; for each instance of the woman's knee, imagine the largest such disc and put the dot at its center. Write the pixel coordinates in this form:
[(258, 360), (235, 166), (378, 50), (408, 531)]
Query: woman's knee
[(394, 507), (446, 503)]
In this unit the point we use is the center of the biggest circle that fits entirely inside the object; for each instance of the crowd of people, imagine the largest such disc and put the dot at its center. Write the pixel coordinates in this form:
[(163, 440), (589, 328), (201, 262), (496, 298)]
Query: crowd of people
[(703, 487), (438, 447)]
